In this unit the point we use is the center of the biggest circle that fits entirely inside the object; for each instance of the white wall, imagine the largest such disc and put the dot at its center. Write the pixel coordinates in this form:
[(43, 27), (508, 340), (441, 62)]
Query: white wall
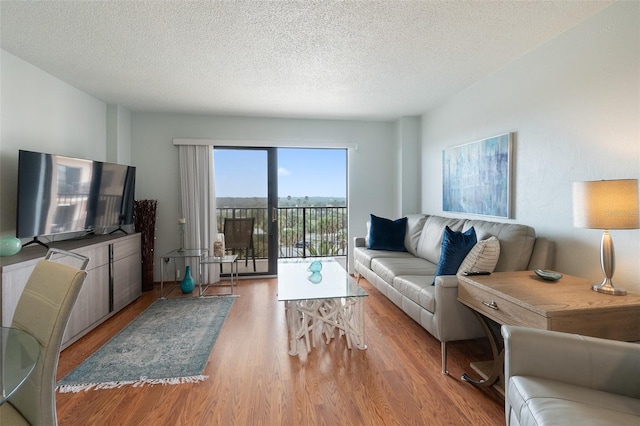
[(118, 135), (575, 106), (371, 168), (408, 169), (42, 113)]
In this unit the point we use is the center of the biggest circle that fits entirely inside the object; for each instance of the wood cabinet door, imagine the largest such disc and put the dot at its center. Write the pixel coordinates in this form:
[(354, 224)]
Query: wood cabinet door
[(127, 271)]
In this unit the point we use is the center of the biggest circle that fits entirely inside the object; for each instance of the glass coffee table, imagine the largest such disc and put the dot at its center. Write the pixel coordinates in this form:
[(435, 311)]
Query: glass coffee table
[(326, 303)]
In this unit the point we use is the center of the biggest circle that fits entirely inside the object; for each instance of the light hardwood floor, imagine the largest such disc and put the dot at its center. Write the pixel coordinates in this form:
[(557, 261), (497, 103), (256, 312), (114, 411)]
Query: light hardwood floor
[(253, 380)]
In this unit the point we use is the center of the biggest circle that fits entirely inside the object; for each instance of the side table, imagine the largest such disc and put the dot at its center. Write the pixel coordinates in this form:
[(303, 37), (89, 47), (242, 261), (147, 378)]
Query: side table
[(230, 259), (195, 254), (568, 305)]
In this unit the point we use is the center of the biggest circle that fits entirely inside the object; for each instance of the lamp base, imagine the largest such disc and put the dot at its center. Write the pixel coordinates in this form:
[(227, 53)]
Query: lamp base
[(607, 287)]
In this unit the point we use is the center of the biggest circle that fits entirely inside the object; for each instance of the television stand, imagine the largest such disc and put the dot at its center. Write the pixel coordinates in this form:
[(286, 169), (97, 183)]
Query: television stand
[(114, 279), (36, 241)]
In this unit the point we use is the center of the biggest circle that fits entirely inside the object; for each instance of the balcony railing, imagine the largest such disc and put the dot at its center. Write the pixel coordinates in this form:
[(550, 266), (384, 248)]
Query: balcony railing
[(302, 231)]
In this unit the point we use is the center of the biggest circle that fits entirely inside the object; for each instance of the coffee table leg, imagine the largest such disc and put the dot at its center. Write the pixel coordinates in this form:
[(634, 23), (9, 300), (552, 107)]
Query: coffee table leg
[(291, 312), (351, 321), (362, 342)]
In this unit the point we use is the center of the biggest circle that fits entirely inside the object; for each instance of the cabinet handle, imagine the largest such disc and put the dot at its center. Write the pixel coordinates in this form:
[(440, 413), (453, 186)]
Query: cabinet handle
[(492, 305)]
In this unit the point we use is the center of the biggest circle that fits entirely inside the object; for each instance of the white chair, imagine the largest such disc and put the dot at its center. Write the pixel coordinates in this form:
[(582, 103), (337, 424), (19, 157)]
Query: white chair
[(43, 311), (554, 378)]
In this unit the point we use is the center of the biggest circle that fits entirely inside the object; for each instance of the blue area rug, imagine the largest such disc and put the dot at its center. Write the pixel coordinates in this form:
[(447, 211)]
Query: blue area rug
[(169, 343)]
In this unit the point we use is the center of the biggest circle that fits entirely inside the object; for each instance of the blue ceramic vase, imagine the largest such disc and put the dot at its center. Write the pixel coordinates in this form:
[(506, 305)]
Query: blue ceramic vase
[(187, 284)]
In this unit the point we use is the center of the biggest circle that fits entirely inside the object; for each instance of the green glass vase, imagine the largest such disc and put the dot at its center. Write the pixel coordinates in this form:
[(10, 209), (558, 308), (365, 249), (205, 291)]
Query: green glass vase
[(9, 246), (187, 284)]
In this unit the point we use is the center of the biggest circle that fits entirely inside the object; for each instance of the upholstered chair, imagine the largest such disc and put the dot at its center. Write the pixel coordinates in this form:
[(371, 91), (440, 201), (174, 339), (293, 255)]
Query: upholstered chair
[(554, 378), (43, 311)]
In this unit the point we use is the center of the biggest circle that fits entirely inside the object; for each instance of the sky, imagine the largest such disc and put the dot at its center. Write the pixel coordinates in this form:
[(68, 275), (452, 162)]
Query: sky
[(301, 172)]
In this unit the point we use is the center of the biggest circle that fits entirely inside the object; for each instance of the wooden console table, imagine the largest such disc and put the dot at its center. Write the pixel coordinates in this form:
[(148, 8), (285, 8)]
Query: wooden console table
[(568, 305)]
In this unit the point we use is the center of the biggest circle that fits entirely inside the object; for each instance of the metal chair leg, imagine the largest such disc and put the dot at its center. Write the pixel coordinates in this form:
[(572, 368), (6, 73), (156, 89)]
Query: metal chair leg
[(443, 349)]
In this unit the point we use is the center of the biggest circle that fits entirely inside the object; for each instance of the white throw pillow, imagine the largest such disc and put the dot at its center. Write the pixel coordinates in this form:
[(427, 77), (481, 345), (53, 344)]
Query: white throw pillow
[(482, 257)]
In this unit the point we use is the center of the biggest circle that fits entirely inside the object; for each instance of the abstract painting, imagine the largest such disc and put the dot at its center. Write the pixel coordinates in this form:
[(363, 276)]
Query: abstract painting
[(476, 177)]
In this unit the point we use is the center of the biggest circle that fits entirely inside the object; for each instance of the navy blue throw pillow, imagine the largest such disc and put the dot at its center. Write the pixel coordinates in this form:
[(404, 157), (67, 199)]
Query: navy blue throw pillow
[(387, 234), (455, 247)]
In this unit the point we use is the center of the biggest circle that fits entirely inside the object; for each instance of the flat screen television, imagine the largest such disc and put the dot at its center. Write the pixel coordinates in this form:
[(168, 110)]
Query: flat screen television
[(58, 194)]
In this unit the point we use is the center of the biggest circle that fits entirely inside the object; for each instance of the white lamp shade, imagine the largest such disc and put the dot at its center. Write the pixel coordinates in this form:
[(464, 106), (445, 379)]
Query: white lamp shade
[(606, 204)]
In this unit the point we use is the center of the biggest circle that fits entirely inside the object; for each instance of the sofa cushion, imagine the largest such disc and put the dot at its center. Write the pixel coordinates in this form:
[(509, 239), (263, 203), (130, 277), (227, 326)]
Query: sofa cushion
[(364, 256), (430, 241), (537, 401), (482, 257), (455, 247), (388, 268), (415, 223), (387, 234), (516, 242), (418, 289)]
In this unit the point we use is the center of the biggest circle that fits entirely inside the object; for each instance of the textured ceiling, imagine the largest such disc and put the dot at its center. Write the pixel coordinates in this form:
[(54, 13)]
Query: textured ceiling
[(356, 60)]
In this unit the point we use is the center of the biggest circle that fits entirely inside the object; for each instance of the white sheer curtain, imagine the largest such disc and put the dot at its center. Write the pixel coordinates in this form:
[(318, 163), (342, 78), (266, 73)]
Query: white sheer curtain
[(199, 201)]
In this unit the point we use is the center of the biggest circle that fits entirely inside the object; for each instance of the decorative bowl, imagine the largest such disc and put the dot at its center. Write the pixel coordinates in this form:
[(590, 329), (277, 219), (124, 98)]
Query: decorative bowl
[(548, 275)]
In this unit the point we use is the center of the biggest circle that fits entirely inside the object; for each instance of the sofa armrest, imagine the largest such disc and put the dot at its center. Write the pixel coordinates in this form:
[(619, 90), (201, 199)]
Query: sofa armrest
[(447, 281), (359, 242), (453, 320), (601, 364)]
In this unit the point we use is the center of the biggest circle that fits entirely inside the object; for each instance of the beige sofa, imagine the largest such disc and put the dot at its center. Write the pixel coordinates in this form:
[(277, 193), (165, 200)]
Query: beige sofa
[(555, 378), (406, 277)]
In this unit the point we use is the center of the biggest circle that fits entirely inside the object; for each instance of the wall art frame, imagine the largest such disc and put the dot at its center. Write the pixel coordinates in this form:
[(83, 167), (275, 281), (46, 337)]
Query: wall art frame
[(476, 177)]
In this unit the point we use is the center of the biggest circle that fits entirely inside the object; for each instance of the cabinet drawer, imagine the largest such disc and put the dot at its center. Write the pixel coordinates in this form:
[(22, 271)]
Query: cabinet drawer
[(501, 310), (98, 255), (126, 247)]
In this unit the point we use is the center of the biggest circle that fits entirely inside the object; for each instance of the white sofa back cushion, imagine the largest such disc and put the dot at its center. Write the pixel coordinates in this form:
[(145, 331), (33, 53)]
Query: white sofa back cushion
[(415, 223), (430, 240), (516, 241)]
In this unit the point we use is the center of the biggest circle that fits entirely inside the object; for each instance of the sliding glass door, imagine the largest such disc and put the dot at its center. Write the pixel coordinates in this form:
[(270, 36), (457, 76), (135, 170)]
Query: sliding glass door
[(312, 203), (246, 197), (294, 199)]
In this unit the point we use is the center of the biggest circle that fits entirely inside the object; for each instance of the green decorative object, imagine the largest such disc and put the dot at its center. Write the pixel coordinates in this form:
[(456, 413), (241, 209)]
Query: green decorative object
[(315, 266), (315, 278), (9, 246), (187, 284)]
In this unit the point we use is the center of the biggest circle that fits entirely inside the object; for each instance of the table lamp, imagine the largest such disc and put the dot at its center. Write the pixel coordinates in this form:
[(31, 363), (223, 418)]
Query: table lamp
[(606, 205)]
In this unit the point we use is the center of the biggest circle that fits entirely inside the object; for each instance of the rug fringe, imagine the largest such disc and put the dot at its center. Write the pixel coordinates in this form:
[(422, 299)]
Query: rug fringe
[(135, 383)]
